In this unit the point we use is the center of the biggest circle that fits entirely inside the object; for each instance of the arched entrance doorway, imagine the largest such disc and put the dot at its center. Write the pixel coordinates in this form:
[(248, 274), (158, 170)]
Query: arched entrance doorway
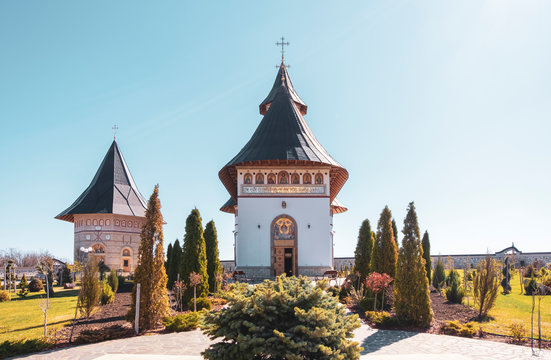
[(284, 246), (126, 260)]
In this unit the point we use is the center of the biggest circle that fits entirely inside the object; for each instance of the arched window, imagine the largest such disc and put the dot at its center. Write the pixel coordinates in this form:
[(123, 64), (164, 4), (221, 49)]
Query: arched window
[(95, 222), (88, 222), (307, 179), (107, 222), (319, 179), (123, 223), (259, 178), (283, 177), (247, 178), (271, 179), (295, 179), (126, 252), (98, 249), (101, 222), (135, 224)]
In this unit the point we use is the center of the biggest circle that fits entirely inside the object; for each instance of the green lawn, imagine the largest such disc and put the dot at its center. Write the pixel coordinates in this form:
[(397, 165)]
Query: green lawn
[(515, 307), (22, 317)]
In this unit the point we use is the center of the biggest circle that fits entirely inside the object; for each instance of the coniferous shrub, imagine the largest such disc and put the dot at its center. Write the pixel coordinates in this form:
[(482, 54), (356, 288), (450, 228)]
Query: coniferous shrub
[(439, 275), (36, 285), (90, 290), (23, 284), (174, 264), (4, 296), (113, 281), (486, 285), (385, 249), (107, 294), (455, 292), (66, 276), (426, 255), (531, 286), (194, 256), (213, 260), (288, 318), (364, 250), (183, 322), (202, 303), (411, 290)]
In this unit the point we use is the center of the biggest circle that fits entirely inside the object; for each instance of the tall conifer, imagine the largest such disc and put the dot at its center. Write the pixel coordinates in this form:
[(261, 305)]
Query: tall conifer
[(385, 249), (213, 260), (411, 292), (396, 234), (426, 254), (364, 250), (150, 272), (175, 263), (168, 258), (194, 256)]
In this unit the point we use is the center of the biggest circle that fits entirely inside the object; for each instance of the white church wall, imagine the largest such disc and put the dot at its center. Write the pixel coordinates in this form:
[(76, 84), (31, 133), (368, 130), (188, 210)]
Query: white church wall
[(314, 243)]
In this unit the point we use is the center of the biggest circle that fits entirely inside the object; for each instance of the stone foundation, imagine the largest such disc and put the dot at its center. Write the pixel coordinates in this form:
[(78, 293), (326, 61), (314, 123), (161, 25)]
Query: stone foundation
[(313, 271), (256, 272)]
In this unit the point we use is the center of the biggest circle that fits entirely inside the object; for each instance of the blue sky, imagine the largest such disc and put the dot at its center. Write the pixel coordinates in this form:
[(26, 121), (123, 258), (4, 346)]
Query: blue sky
[(446, 103)]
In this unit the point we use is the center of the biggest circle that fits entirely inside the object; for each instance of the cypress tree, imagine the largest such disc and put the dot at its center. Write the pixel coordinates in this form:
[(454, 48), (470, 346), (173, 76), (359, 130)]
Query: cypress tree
[(439, 275), (168, 258), (426, 254), (194, 256), (395, 231), (213, 260), (385, 249), (175, 263), (411, 293), (364, 250), (150, 272)]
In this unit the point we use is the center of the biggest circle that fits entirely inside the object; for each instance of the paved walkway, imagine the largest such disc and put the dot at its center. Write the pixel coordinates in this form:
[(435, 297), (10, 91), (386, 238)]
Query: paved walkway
[(377, 344)]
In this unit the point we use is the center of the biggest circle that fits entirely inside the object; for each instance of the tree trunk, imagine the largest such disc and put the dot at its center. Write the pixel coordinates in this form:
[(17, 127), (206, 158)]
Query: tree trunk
[(194, 298), (375, 302), (532, 322), (383, 301)]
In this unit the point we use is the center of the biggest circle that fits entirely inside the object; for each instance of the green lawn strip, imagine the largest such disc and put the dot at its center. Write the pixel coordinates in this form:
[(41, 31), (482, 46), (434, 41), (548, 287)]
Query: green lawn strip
[(22, 318), (514, 307)]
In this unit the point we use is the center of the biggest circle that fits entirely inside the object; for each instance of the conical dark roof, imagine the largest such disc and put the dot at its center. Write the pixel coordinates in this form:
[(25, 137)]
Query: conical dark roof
[(112, 190), (283, 138), (283, 80)]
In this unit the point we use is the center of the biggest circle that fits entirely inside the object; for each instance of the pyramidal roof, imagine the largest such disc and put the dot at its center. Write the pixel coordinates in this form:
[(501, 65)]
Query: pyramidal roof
[(112, 191), (283, 138), (283, 80)]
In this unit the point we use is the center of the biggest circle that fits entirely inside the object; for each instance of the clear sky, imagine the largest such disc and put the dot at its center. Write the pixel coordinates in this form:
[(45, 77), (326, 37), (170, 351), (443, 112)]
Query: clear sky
[(445, 103)]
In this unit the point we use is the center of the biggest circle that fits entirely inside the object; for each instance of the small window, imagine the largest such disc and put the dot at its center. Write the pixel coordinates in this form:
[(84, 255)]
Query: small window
[(126, 252), (101, 222), (87, 236), (307, 179), (107, 222), (107, 237), (95, 222), (295, 179), (135, 224), (319, 179), (98, 249), (283, 177), (248, 179), (125, 262), (130, 224), (259, 179), (88, 223), (271, 179), (123, 223)]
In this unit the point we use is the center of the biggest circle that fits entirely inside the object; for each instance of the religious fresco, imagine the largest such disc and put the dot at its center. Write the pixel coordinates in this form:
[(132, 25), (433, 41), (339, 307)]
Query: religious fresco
[(283, 178), (271, 179), (319, 179), (307, 179), (248, 179), (295, 179), (98, 249), (259, 178), (284, 229)]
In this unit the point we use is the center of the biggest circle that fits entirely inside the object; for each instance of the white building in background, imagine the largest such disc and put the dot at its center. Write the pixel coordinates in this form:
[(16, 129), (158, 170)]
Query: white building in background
[(283, 186)]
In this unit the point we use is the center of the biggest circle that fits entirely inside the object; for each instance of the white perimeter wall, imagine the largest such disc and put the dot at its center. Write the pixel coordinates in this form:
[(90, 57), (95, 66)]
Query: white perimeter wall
[(314, 244)]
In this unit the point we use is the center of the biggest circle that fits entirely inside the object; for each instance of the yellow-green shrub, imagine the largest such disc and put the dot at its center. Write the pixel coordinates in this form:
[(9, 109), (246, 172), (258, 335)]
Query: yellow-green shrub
[(4, 296), (455, 328), (183, 322)]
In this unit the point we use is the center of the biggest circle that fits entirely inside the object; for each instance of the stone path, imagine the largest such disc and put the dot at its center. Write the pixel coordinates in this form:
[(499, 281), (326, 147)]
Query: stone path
[(377, 344)]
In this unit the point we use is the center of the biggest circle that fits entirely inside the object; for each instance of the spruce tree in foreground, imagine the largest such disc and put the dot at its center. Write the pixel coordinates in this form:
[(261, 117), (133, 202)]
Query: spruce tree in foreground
[(364, 250), (385, 249), (168, 259), (426, 254), (194, 256), (150, 272), (439, 274), (213, 260), (174, 264), (411, 292), (396, 234)]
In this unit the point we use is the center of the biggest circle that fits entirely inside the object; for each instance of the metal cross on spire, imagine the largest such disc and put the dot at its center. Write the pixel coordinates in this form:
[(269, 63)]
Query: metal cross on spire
[(115, 128), (282, 44)]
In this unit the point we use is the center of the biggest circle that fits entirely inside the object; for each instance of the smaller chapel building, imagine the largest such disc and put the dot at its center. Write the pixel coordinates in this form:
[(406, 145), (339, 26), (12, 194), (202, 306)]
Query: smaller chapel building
[(108, 215), (283, 186)]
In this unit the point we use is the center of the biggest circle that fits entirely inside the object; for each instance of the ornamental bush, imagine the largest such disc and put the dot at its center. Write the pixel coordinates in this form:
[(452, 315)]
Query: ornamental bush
[(455, 292), (4, 296), (183, 322), (113, 281), (107, 294), (202, 303), (289, 318), (36, 285)]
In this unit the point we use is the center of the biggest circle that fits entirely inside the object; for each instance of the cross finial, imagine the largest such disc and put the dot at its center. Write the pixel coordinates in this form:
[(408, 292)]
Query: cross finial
[(282, 44), (115, 128)]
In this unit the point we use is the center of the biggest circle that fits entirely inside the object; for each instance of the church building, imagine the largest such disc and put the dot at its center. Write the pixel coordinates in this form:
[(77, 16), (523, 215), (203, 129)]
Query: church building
[(108, 215), (283, 186)]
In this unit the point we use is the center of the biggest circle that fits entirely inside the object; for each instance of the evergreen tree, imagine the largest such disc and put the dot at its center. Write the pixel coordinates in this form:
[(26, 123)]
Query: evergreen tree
[(439, 274), (175, 264), (426, 254), (364, 250), (90, 289), (395, 231), (385, 249), (411, 294), (194, 256), (168, 259), (150, 272), (213, 260)]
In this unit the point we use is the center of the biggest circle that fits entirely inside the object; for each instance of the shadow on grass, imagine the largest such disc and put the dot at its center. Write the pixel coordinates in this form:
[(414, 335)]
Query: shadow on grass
[(383, 338), (12, 330), (42, 295)]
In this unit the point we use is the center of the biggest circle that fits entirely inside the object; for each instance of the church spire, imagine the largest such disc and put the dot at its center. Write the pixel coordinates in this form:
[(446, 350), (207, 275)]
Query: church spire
[(283, 80)]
